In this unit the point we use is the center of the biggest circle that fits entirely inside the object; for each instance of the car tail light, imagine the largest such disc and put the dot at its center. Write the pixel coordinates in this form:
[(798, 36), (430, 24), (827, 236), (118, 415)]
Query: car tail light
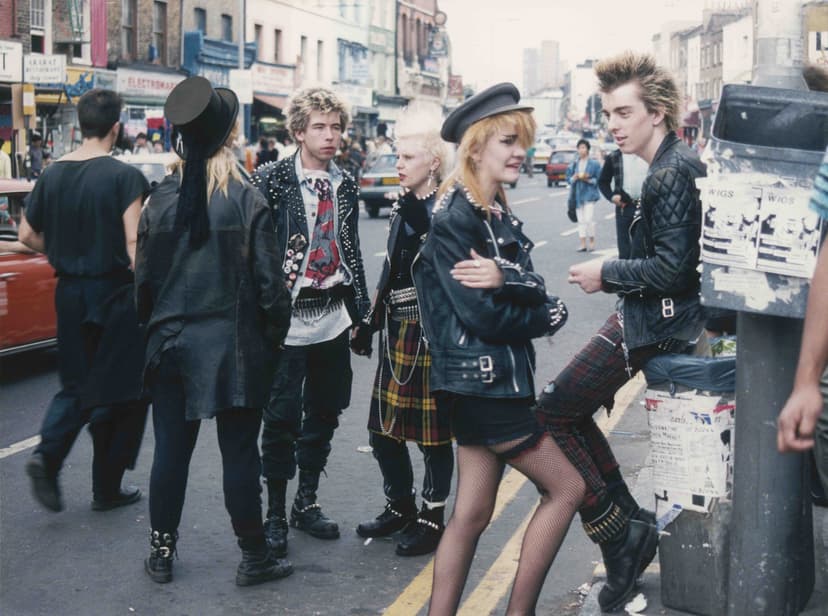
[(369, 182)]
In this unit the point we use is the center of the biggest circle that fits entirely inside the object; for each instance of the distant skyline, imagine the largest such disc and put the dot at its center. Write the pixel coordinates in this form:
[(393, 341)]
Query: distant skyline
[(488, 39)]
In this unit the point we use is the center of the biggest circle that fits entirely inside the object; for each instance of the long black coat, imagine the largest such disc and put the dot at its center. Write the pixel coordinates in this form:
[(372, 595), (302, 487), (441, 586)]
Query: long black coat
[(222, 308)]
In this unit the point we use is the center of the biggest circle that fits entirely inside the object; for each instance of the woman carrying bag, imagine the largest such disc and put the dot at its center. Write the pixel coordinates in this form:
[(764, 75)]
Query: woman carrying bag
[(582, 176)]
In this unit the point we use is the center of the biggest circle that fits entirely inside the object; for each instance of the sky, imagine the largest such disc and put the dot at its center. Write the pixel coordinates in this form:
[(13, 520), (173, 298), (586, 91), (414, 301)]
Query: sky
[(488, 36)]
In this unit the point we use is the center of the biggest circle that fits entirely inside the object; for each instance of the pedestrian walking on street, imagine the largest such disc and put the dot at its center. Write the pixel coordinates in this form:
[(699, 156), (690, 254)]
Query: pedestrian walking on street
[(83, 213), (402, 407), (482, 305), (620, 182), (316, 215), (658, 312), (216, 310), (582, 176)]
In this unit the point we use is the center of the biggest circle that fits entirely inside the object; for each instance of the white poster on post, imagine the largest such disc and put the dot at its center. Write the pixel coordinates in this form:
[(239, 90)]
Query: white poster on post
[(789, 233), (730, 223)]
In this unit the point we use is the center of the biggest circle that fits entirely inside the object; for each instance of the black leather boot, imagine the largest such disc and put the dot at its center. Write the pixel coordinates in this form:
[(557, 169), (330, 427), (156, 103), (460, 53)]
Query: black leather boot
[(306, 514), (621, 496), (275, 525), (425, 533), (259, 564), (44, 482), (159, 563), (396, 516), (624, 558)]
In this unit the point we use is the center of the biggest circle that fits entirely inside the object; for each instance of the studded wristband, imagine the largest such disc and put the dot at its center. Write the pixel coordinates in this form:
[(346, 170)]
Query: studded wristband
[(557, 314)]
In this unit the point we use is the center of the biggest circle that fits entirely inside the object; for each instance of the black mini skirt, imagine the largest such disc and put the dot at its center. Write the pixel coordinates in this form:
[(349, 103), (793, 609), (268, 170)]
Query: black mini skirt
[(488, 421)]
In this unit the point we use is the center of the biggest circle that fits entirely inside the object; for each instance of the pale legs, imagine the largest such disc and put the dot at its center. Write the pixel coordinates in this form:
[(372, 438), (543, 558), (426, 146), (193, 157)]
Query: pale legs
[(586, 224), (479, 473)]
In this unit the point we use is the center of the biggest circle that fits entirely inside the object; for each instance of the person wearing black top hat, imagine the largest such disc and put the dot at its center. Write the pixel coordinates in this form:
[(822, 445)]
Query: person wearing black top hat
[(208, 287), (481, 305), (83, 213)]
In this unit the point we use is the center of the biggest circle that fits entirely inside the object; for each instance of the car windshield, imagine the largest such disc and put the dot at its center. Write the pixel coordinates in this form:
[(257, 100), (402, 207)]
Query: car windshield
[(385, 164), (562, 157)]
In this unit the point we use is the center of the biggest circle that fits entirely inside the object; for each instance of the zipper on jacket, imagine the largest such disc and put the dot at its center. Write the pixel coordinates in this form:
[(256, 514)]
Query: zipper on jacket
[(423, 331), (514, 368)]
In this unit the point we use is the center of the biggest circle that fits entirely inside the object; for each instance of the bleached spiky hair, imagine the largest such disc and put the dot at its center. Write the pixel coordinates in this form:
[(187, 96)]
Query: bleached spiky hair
[(421, 123), (657, 86), (313, 99)]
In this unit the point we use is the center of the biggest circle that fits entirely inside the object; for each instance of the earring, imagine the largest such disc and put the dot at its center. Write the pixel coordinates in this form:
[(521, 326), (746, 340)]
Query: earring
[(430, 177)]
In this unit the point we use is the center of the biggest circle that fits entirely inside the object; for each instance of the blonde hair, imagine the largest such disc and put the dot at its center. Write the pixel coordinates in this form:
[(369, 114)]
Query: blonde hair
[(221, 166), (474, 140), (421, 125), (313, 99), (657, 87)]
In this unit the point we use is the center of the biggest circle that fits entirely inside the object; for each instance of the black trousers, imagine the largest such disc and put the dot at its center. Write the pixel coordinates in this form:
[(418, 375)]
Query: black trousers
[(623, 220), (398, 475), (311, 387), (117, 433), (175, 439)]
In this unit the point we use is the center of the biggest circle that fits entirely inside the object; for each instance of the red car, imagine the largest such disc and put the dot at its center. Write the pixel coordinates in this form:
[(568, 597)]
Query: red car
[(27, 281), (558, 162)]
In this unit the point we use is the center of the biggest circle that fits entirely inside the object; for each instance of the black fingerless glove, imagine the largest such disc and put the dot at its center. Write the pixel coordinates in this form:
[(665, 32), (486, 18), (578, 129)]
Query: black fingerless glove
[(558, 314), (414, 212), (362, 342)]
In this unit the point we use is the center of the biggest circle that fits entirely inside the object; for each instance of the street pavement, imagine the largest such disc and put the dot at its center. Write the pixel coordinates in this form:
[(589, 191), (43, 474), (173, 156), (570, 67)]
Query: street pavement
[(84, 562)]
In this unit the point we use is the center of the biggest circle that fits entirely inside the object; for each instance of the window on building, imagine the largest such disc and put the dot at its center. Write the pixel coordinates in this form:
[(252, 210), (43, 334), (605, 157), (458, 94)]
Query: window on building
[(320, 59), (821, 41), (200, 17), (342, 4), (77, 51), (303, 49), (277, 46), (37, 15), (226, 27), (159, 30), (129, 42), (257, 36)]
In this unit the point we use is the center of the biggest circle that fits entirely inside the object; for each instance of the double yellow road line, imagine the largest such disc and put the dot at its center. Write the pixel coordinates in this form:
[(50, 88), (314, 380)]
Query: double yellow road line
[(495, 584)]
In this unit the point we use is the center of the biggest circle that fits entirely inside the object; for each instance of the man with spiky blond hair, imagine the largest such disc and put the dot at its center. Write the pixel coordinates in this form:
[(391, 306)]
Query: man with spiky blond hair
[(315, 211), (659, 311)]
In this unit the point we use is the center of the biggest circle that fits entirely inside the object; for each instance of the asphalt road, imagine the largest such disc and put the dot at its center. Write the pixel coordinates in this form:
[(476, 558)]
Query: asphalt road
[(82, 562)]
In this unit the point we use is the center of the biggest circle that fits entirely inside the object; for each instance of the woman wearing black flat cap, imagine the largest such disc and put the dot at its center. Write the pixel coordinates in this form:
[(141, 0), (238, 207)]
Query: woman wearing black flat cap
[(210, 291), (482, 305)]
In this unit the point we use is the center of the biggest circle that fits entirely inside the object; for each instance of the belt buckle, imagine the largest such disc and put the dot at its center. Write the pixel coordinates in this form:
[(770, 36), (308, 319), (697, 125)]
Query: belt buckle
[(487, 368), (667, 308)]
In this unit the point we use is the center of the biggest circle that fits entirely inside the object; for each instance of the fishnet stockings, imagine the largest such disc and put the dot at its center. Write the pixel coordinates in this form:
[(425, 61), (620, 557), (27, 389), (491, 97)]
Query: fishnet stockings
[(479, 472)]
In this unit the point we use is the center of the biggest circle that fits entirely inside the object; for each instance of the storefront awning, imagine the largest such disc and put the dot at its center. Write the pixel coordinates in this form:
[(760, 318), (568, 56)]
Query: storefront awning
[(271, 100), (359, 110)]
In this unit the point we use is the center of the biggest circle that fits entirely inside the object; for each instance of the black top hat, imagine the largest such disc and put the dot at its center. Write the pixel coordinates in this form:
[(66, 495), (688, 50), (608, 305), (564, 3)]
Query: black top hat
[(497, 99), (202, 115)]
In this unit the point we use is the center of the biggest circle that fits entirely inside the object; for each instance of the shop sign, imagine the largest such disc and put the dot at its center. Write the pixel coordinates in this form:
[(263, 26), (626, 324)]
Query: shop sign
[(241, 82), (273, 79), (359, 96), (381, 40), (44, 68), (142, 84), (11, 61)]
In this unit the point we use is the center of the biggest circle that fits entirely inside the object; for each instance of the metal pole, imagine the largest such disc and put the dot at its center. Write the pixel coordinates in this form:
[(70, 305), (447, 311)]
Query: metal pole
[(772, 552)]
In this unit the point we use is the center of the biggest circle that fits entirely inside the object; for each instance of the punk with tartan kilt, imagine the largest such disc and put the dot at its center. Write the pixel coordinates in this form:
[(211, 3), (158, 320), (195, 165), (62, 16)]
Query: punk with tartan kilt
[(402, 407)]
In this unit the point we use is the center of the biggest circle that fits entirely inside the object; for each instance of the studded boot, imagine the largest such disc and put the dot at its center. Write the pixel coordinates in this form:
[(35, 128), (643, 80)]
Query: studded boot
[(396, 516), (259, 564), (306, 514), (275, 525), (159, 563), (425, 533)]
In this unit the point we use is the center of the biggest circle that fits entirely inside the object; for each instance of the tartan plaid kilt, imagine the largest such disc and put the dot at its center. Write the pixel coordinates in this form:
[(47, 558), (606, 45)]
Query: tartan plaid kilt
[(408, 411)]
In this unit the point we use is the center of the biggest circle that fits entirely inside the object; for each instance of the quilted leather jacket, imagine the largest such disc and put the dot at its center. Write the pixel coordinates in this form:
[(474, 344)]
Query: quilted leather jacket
[(480, 339), (659, 283), (279, 184)]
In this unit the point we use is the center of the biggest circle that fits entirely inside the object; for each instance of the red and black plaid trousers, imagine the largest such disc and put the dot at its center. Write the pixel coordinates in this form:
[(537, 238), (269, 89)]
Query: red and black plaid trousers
[(587, 383)]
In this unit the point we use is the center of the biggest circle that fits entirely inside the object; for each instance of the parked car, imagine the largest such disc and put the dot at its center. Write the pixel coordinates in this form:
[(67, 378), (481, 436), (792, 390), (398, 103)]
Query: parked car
[(27, 281), (542, 153), (154, 166), (378, 180), (556, 167)]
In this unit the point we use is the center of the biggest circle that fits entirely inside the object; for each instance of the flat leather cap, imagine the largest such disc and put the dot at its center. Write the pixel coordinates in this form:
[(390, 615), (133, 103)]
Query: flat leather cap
[(497, 99)]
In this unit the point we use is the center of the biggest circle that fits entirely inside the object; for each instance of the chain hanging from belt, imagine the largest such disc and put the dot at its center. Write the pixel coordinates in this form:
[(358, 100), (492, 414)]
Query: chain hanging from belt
[(396, 299)]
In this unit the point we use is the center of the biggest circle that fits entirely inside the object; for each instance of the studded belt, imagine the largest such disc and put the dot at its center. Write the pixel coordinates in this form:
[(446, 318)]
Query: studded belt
[(402, 296), (404, 312)]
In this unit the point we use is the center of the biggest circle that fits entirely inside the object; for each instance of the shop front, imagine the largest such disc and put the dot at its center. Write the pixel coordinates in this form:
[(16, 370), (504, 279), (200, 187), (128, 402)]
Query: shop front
[(360, 101), (144, 93), (273, 85)]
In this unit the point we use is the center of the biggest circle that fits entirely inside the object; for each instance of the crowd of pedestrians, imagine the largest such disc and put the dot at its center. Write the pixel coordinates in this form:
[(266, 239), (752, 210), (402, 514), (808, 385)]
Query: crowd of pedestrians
[(241, 299)]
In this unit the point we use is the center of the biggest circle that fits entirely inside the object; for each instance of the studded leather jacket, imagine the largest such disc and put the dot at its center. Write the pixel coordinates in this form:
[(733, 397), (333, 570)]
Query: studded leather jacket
[(659, 283), (480, 339), (280, 185)]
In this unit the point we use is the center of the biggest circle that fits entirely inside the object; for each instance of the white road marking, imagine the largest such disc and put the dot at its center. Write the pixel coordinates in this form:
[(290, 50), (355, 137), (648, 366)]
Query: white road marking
[(379, 254), (559, 193), (606, 252), (529, 200), (541, 243), (609, 216), (20, 446), (572, 231)]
